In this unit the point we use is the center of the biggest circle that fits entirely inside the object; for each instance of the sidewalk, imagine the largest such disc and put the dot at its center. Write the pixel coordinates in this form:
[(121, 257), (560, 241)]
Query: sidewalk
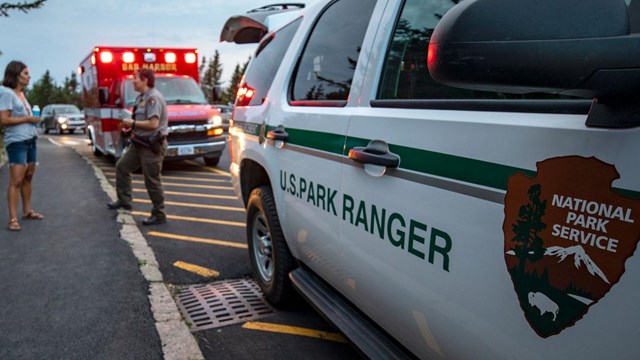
[(82, 283)]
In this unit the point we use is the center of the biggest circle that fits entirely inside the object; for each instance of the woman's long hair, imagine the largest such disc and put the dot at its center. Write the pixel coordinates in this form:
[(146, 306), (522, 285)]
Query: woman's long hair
[(11, 73)]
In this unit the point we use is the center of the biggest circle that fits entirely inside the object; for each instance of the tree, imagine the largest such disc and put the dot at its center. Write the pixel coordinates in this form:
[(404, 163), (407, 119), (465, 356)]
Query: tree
[(24, 6), (43, 91), (203, 65), (69, 93), (212, 78), (229, 96), (527, 227)]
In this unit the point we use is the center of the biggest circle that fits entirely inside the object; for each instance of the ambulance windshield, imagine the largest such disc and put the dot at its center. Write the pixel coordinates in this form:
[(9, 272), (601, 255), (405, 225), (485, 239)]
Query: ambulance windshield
[(176, 90)]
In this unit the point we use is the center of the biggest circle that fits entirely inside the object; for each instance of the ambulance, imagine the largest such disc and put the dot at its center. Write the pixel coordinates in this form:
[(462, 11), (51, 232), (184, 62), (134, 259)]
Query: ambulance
[(195, 127), (448, 179)]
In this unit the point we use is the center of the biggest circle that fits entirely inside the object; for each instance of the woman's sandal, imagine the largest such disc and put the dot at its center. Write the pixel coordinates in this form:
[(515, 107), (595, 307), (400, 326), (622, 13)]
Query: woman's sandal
[(32, 215), (14, 225)]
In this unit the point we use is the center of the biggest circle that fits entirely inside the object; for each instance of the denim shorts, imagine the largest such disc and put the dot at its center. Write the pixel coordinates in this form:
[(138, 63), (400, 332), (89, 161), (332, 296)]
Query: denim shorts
[(22, 152)]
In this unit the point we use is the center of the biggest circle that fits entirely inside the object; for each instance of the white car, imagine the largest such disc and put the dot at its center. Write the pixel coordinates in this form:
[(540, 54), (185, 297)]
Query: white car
[(449, 181)]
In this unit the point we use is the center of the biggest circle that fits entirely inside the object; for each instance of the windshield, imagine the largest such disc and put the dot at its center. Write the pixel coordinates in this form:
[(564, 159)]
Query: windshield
[(176, 90), (67, 109)]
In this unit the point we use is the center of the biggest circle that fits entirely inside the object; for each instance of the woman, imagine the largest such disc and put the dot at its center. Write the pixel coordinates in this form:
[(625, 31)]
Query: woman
[(20, 141)]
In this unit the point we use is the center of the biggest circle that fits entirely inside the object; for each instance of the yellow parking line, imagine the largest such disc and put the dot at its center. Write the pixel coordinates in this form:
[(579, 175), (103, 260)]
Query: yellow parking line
[(206, 172), (212, 169), (202, 271), (164, 183), (203, 206), (229, 197), (294, 330), (198, 240), (177, 178), (186, 218)]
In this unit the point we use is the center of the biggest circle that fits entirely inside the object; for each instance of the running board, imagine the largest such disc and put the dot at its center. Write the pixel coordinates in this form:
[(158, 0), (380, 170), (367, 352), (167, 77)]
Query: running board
[(365, 336)]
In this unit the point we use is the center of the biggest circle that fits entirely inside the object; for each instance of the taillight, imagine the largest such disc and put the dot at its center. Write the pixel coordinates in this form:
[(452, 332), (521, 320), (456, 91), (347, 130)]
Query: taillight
[(170, 58), (431, 54), (244, 96), (106, 57)]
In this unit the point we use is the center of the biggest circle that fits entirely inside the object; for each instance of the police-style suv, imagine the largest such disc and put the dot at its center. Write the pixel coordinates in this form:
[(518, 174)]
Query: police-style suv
[(449, 181)]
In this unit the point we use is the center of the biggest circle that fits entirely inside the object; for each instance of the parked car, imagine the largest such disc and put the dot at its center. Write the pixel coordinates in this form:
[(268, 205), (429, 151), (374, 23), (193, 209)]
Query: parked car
[(225, 114), (62, 118), (452, 181)]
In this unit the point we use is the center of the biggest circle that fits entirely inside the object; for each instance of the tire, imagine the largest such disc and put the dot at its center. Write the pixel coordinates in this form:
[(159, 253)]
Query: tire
[(271, 260), (46, 130), (211, 161)]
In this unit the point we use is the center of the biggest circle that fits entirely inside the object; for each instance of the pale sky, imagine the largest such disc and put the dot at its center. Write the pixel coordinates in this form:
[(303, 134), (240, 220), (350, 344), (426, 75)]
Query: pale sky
[(61, 33)]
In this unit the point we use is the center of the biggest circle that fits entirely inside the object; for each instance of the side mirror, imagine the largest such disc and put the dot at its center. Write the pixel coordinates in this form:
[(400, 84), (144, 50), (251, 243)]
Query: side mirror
[(569, 47), (103, 95)]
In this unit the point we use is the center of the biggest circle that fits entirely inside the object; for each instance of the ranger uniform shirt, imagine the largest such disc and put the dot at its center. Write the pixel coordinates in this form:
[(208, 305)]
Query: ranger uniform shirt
[(149, 104)]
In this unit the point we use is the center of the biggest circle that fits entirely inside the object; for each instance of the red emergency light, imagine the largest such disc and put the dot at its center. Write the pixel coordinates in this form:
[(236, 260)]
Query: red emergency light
[(190, 58), (170, 58), (128, 57), (106, 57)]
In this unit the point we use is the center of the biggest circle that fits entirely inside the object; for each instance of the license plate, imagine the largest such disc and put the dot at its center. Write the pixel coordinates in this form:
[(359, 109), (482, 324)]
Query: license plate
[(185, 150)]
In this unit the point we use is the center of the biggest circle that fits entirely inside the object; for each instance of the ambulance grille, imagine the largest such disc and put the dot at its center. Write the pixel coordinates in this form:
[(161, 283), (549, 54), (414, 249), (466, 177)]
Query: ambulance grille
[(222, 303)]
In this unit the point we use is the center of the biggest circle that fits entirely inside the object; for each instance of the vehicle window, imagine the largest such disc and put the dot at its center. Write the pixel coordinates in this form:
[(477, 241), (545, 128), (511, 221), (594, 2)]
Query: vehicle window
[(265, 63), (176, 90), (68, 110), (405, 73), (325, 70)]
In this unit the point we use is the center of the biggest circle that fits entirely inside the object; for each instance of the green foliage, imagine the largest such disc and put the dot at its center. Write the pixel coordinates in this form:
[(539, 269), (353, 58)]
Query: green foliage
[(529, 244), (229, 96), (23, 6), (211, 77), (45, 91)]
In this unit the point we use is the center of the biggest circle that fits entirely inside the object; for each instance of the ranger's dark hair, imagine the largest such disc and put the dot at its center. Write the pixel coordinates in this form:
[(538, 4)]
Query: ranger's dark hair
[(11, 73), (148, 74)]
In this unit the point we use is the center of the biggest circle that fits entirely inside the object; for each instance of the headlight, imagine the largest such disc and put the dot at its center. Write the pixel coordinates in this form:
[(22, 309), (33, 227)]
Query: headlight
[(215, 120), (62, 120)]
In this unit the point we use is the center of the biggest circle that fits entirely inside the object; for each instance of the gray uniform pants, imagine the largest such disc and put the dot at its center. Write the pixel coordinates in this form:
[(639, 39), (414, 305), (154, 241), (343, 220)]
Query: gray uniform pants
[(141, 157)]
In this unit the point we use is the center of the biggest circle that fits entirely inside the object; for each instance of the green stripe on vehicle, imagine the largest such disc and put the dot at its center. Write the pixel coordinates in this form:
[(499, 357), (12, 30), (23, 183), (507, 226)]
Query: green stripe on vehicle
[(448, 166)]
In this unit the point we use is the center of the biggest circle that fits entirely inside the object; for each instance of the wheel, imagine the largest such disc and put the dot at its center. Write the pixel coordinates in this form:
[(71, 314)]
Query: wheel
[(211, 161), (271, 260), (46, 130)]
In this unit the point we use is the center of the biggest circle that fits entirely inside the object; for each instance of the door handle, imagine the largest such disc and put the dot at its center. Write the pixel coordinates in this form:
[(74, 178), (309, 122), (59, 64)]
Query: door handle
[(278, 134), (375, 153)]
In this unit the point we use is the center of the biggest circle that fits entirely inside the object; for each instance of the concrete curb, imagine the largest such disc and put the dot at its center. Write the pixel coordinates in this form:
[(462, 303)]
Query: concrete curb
[(177, 341)]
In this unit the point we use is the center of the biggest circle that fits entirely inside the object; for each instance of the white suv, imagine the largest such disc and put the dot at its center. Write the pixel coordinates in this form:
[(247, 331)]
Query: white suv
[(491, 213)]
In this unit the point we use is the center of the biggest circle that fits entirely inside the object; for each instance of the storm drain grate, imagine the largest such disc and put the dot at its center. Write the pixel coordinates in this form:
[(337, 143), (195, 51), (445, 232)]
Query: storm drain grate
[(222, 303)]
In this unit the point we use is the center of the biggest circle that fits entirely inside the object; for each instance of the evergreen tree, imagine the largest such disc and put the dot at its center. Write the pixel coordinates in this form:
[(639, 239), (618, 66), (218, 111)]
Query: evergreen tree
[(203, 65), (527, 227), (43, 91), (212, 78), (229, 96), (69, 93)]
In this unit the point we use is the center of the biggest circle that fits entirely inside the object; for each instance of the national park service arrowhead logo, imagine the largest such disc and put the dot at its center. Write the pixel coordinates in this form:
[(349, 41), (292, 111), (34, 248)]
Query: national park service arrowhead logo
[(567, 237)]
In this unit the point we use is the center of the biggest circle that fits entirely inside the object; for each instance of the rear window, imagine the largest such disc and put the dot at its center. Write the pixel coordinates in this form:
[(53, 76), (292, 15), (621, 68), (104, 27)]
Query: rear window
[(265, 64)]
